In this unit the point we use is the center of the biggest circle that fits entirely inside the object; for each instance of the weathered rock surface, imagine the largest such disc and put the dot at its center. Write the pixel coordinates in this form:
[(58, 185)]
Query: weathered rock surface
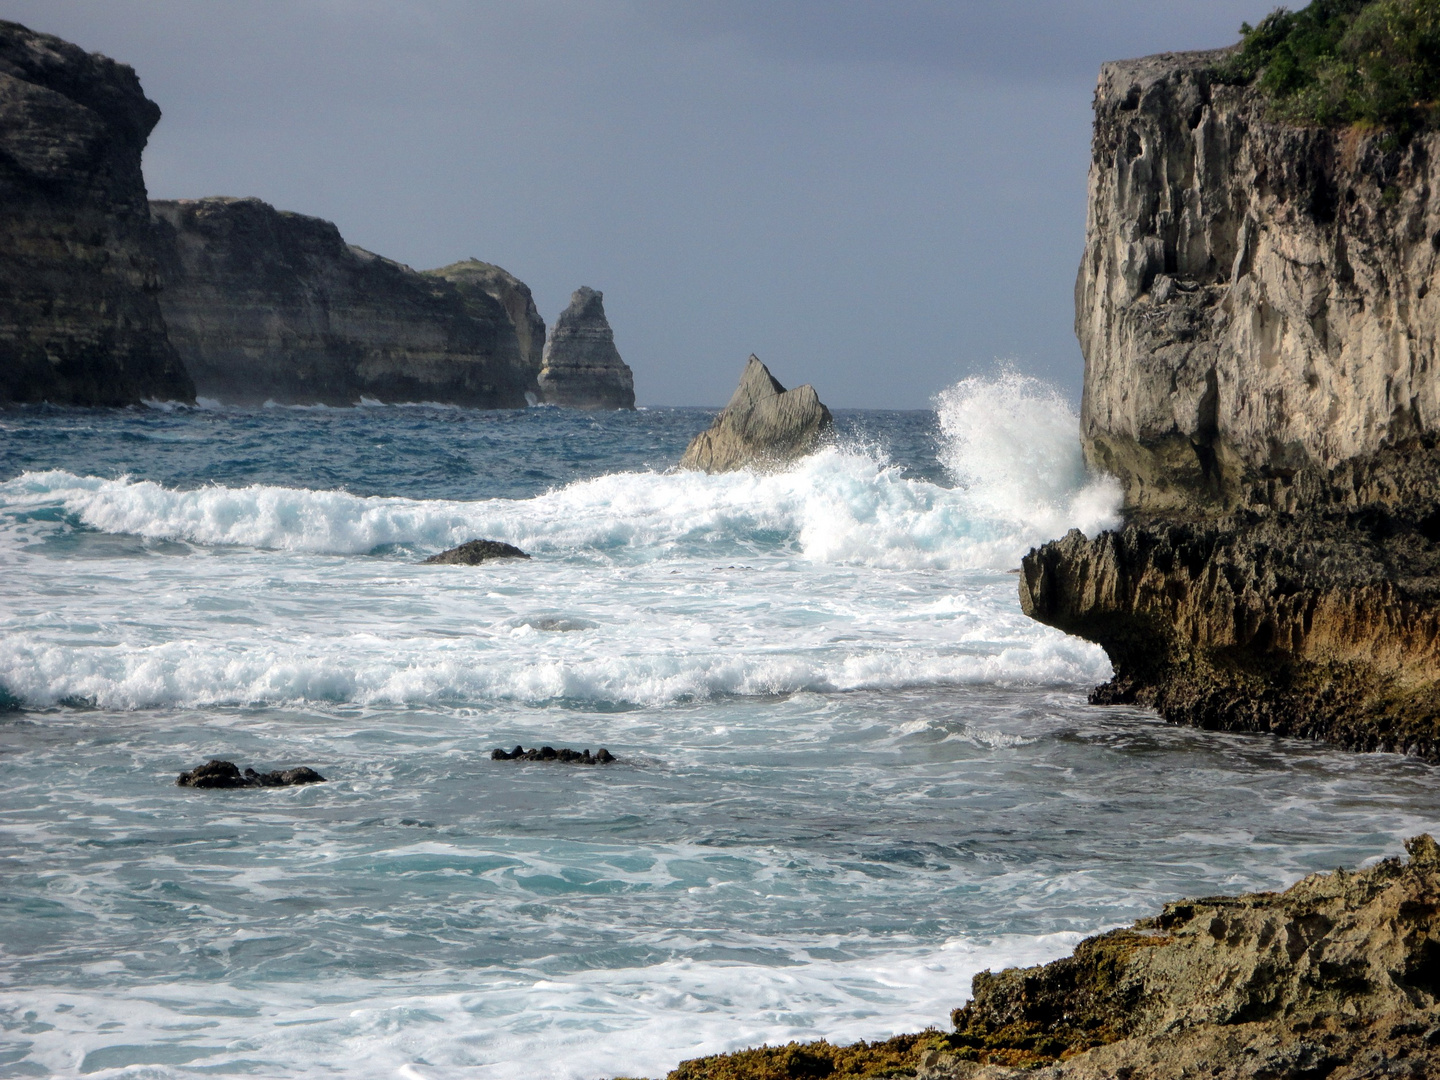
[(763, 426), (1255, 310), (264, 304), (1337, 978), (226, 774), (475, 552), (582, 368), (80, 322), (1255, 298), (549, 753), (473, 276)]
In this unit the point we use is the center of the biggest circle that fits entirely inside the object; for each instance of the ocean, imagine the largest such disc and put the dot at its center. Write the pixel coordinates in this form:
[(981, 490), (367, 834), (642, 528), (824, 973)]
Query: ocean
[(850, 772)]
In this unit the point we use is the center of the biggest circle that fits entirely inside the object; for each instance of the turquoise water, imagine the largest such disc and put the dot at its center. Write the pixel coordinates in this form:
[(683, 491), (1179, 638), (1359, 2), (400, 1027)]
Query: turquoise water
[(851, 772)]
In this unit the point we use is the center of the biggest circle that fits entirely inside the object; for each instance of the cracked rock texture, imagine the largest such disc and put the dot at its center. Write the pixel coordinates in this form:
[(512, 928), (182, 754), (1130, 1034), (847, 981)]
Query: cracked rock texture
[(1254, 307), (80, 322), (763, 426), (1255, 298), (264, 304), (582, 368)]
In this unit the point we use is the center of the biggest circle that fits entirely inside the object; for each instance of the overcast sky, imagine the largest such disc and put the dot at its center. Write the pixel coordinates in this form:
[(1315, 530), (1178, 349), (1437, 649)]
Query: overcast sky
[(876, 196)]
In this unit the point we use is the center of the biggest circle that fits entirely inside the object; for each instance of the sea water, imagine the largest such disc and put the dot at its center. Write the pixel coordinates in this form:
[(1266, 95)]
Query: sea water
[(851, 774)]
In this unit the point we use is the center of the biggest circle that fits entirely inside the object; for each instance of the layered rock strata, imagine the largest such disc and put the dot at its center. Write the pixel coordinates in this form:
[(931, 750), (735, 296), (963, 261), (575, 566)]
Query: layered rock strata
[(763, 426), (80, 321), (264, 304), (1337, 978), (582, 368), (475, 279), (1255, 310)]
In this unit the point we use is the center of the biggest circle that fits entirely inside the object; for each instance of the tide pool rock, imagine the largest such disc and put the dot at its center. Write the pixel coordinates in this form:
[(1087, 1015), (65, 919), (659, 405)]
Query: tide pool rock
[(763, 426), (269, 305), (582, 368), (80, 319), (216, 773), (475, 552)]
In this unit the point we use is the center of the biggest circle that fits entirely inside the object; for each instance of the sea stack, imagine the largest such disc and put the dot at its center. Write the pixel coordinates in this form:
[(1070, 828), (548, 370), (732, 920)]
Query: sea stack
[(80, 321), (269, 305), (763, 426), (582, 368), (1258, 309)]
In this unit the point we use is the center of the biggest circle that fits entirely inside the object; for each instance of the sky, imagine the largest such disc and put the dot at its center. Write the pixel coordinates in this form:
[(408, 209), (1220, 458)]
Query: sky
[(878, 197)]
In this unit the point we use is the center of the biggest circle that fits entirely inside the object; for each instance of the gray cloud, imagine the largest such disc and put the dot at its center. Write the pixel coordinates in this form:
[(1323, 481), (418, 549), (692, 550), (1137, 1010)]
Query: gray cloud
[(877, 197)]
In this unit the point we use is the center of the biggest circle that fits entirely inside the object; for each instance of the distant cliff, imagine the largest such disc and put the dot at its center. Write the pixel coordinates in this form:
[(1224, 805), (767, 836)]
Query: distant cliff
[(263, 304), (475, 279), (582, 368), (1256, 307), (80, 322)]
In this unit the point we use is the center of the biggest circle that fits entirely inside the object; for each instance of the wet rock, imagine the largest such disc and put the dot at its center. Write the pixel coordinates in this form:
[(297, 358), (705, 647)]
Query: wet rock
[(582, 368), (475, 552), (549, 753), (226, 774), (763, 426)]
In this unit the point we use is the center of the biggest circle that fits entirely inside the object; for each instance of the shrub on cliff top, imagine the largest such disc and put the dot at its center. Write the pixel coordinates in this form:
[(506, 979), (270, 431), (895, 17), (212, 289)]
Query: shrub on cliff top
[(1374, 62)]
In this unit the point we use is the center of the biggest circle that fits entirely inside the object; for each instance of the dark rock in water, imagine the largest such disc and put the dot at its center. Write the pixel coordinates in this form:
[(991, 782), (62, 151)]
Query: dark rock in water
[(582, 367), (549, 753), (226, 774), (80, 322), (264, 304), (475, 552), (764, 425)]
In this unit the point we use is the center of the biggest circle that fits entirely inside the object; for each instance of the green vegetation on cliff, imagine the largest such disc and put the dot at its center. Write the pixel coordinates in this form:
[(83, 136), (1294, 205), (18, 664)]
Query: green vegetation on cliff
[(1374, 62)]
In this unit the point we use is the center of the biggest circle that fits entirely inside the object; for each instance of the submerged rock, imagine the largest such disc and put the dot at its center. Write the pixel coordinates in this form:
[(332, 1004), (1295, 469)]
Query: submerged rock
[(582, 367), (226, 774), (80, 322), (1334, 978), (549, 753), (475, 552), (764, 425)]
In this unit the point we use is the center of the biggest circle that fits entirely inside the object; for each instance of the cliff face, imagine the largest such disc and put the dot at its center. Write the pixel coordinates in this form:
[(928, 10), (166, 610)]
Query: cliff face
[(582, 368), (475, 279), (1255, 299), (269, 305), (80, 322), (1259, 332)]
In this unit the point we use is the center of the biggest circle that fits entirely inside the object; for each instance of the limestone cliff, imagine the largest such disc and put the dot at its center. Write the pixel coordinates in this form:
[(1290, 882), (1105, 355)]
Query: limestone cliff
[(1255, 299), (763, 426), (263, 304), (1255, 310), (80, 322), (475, 279), (582, 368)]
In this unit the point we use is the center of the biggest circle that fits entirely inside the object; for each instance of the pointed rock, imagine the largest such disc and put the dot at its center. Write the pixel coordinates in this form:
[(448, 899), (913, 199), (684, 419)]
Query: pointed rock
[(582, 368), (764, 426)]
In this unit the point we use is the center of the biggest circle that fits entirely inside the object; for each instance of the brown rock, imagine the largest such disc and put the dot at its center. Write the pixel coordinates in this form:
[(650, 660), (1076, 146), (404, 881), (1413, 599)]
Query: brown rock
[(475, 552), (763, 426)]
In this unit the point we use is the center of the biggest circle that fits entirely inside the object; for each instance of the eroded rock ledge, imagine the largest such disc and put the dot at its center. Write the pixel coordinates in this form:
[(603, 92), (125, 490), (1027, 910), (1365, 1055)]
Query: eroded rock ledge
[(1337, 978)]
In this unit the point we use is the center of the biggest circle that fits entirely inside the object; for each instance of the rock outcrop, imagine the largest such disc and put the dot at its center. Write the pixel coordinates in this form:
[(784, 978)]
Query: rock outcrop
[(1336, 978), (1255, 299), (582, 368), (475, 552), (763, 426), (216, 773), (475, 279), (549, 753), (1259, 332), (264, 304), (80, 321)]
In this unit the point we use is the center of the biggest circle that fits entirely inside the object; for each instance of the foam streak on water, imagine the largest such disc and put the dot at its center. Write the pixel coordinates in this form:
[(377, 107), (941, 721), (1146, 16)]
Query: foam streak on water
[(852, 773)]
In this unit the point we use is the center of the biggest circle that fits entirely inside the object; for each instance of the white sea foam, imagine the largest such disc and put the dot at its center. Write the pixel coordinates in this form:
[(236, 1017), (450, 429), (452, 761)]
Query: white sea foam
[(628, 1021)]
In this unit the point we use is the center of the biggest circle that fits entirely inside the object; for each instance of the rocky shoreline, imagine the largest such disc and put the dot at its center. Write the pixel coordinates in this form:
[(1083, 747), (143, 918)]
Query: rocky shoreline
[(1338, 977)]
